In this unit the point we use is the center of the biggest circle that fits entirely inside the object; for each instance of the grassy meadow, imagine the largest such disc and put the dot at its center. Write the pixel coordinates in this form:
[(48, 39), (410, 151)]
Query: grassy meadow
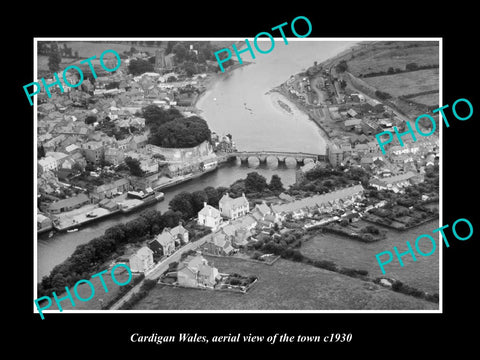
[(407, 83), (278, 288)]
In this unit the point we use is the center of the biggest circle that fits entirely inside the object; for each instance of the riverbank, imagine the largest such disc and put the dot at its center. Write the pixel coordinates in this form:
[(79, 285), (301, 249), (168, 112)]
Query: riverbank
[(211, 80), (301, 107)]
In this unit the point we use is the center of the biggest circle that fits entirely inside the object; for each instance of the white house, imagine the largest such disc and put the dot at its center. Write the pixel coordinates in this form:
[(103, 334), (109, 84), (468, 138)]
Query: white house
[(142, 260), (209, 216), (47, 163), (233, 208)]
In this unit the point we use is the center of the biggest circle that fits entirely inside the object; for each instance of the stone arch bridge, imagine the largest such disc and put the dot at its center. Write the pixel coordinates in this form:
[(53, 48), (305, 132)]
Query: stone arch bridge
[(280, 156)]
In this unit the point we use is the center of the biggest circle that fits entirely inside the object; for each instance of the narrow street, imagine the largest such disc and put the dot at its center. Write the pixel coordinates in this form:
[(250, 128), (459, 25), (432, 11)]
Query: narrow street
[(159, 268)]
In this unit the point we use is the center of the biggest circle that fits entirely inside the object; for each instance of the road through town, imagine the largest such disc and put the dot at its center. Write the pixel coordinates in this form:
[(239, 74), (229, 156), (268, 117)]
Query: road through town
[(159, 269)]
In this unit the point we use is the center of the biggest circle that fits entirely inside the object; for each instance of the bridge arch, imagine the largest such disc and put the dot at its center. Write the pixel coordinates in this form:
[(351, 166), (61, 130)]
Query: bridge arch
[(276, 156)]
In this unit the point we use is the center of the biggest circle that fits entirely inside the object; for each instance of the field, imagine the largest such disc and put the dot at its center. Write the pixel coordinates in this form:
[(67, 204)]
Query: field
[(87, 49), (381, 56), (406, 83), (42, 62), (84, 291), (429, 99), (422, 274), (284, 286)]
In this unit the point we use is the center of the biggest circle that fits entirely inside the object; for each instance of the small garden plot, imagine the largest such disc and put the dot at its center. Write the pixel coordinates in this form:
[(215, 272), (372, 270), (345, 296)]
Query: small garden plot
[(169, 278), (236, 281), (403, 219)]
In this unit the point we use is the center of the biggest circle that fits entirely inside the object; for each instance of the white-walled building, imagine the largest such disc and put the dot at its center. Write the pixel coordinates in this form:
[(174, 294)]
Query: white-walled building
[(233, 208), (142, 260), (209, 216)]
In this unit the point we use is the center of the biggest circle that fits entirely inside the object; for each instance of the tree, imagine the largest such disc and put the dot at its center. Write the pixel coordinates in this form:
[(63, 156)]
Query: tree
[(212, 195), (371, 229), (77, 167), (198, 198), (90, 119), (237, 188), (139, 66), (180, 52), (275, 183), (116, 233), (411, 66), (183, 202), (171, 218), (255, 182), (341, 66), (181, 133), (43, 48), (54, 58), (170, 45), (156, 116), (135, 229), (40, 152), (133, 166), (189, 68), (382, 95), (153, 217), (221, 190)]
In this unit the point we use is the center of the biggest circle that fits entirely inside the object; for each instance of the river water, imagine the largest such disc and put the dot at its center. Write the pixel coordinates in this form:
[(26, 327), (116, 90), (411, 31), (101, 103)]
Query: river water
[(236, 104)]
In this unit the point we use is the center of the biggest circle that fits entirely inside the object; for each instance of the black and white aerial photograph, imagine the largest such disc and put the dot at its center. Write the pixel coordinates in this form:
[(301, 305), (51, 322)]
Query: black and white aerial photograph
[(239, 184), (230, 180)]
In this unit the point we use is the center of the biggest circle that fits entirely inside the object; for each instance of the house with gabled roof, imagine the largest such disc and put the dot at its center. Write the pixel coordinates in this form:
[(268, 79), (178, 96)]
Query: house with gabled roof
[(163, 244), (218, 244), (69, 204), (327, 201), (195, 272), (233, 208), (395, 183), (209, 217), (260, 211), (179, 233), (246, 222), (142, 260), (237, 235)]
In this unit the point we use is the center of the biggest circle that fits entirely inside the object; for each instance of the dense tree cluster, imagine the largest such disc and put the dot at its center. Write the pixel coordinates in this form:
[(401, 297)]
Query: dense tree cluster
[(325, 179), (382, 95), (342, 66), (169, 128), (256, 185), (139, 66), (90, 119), (181, 133), (156, 116), (54, 58), (134, 166)]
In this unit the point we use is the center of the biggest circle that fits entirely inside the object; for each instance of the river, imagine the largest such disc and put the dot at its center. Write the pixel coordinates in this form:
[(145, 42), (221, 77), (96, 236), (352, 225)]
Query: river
[(235, 104)]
